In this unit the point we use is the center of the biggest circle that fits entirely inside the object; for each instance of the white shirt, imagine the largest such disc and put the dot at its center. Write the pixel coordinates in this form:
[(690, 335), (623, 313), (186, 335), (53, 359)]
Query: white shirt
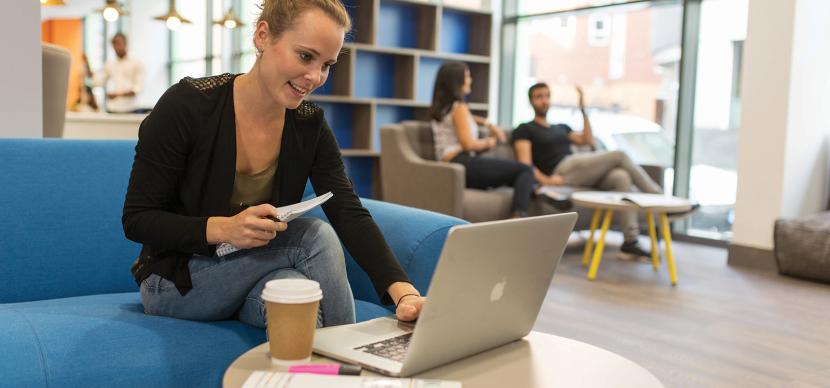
[(121, 75), (444, 135)]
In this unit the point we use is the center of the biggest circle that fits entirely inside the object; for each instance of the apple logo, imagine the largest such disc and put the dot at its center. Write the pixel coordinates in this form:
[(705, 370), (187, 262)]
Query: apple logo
[(498, 290)]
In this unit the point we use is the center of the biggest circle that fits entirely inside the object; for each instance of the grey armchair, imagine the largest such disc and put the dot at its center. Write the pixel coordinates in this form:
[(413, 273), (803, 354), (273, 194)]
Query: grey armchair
[(56, 62)]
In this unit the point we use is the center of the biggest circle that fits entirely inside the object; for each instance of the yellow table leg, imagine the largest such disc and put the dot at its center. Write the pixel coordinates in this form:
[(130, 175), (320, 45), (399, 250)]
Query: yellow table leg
[(655, 252), (590, 243), (606, 222), (664, 223)]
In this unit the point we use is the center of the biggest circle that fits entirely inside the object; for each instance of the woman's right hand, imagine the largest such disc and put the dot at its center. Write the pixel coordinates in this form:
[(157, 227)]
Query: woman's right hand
[(251, 228)]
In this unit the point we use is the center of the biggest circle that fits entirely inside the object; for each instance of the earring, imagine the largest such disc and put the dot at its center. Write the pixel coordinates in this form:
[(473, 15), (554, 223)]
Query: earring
[(259, 51)]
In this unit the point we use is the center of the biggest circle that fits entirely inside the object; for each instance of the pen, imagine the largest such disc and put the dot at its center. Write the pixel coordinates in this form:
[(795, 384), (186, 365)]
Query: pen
[(326, 369)]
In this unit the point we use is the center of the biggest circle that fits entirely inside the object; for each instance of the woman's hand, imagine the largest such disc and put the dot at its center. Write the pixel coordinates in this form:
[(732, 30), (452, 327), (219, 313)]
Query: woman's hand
[(488, 143), (251, 228), (410, 307)]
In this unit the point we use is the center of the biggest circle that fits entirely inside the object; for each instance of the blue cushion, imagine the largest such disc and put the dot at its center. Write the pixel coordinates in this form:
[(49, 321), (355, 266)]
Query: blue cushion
[(65, 236), (416, 237), (365, 311), (107, 340)]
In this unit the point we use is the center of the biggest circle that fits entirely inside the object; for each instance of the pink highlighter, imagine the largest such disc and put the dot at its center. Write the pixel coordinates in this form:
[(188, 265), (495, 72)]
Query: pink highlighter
[(326, 369)]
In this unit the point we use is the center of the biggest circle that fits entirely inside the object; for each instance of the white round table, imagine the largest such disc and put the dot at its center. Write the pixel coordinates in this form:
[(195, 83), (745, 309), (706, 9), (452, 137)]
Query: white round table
[(538, 360), (610, 201)]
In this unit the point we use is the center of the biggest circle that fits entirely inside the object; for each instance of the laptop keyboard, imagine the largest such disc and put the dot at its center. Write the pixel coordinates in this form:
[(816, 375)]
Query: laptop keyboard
[(393, 348)]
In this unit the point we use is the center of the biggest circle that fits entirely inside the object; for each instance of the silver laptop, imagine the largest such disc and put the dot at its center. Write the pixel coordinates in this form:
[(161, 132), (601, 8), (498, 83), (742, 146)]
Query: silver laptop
[(487, 290)]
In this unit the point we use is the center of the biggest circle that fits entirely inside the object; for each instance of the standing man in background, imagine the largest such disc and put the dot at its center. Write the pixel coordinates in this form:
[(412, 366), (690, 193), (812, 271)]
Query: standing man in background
[(122, 77)]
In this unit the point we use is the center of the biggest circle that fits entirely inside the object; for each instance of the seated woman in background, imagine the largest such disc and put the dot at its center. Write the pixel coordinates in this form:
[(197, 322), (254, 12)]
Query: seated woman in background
[(456, 139)]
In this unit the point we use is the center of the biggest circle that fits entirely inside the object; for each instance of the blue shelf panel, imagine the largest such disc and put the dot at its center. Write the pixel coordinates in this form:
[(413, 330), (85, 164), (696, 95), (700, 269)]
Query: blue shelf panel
[(386, 114), (327, 88), (380, 75), (360, 170), (455, 32), (340, 118), (397, 25), (427, 70), (373, 72)]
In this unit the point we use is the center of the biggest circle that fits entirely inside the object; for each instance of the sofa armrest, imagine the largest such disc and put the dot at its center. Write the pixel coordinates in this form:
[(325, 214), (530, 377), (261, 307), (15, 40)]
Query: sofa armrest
[(416, 237), (408, 179)]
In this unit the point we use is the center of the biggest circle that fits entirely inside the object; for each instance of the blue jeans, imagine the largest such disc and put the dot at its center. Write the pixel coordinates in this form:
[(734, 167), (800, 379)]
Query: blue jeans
[(229, 286)]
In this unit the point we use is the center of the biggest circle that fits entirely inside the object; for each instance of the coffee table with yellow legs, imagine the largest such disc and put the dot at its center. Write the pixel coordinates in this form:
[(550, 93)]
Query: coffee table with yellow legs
[(605, 203)]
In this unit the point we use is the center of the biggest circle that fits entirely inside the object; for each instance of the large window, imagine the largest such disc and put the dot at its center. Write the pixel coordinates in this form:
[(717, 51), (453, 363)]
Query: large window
[(717, 116), (189, 44), (625, 59)]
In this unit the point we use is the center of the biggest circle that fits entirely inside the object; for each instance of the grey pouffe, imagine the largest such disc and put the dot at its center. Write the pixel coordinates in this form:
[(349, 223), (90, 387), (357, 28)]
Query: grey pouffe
[(802, 246)]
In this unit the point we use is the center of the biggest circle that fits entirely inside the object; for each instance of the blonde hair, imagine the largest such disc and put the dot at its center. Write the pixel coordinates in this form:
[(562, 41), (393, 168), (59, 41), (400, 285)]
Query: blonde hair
[(280, 14)]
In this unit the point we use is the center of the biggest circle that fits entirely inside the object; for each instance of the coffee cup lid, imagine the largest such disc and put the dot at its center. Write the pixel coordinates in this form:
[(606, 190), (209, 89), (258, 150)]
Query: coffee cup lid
[(292, 291)]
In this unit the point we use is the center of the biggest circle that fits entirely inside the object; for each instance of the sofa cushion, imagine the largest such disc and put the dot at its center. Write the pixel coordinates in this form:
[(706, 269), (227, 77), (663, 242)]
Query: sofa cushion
[(107, 340), (421, 239), (65, 238)]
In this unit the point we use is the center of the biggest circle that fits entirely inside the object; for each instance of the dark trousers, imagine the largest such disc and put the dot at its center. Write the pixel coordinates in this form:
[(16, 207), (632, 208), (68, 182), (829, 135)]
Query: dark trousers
[(484, 173)]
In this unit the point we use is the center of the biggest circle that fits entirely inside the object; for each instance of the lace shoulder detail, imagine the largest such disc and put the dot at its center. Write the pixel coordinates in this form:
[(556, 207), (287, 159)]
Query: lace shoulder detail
[(206, 84), (307, 110)]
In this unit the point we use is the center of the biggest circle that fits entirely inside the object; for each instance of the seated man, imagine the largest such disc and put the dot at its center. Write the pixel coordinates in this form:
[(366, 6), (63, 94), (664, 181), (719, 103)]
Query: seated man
[(547, 148)]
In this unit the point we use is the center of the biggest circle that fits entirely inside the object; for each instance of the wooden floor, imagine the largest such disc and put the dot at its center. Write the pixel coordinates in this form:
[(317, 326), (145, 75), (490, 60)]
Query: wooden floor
[(720, 326)]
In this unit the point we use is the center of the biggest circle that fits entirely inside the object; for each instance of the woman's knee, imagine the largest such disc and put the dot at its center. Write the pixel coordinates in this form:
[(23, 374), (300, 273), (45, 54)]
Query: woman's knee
[(321, 234)]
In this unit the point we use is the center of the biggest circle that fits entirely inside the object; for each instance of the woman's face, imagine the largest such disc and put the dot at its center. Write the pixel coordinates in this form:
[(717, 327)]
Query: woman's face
[(298, 61), (468, 83)]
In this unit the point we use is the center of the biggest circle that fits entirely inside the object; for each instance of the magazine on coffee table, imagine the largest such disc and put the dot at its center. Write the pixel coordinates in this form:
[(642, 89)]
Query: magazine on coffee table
[(284, 214), (654, 200), (267, 379)]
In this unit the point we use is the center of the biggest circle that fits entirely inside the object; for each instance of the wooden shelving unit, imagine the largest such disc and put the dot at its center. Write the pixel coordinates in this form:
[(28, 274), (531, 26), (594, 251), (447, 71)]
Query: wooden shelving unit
[(388, 68)]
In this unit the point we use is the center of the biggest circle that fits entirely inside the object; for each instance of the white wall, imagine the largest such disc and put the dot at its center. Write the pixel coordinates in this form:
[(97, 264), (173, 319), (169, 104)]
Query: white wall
[(782, 152), (21, 94), (805, 171)]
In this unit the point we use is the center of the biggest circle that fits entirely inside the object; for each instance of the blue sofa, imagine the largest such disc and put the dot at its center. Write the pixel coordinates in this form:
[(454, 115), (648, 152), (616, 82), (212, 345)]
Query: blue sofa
[(70, 311)]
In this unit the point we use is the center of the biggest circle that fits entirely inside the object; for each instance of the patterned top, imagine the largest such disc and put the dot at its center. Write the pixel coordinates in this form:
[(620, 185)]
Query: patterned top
[(443, 131)]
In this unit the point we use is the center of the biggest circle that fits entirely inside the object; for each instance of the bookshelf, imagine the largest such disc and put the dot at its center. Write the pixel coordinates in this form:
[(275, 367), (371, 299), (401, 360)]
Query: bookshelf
[(388, 67)]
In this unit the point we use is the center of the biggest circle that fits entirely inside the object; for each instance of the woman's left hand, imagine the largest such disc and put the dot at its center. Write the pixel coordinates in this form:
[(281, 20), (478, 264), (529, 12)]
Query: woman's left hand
[(410, 308)]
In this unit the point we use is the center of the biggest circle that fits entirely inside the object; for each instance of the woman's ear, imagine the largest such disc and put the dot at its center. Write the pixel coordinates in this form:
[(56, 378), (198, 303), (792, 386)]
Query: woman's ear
[(262, 35)]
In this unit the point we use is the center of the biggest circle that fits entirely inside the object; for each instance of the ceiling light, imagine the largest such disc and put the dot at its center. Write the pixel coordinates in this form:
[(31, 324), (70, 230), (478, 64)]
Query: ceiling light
[(172, 17), (230, 21), (49, 3), (111, 11)]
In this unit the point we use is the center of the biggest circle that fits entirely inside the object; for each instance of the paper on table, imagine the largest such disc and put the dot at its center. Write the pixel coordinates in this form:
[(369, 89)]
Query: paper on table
[(654, 200), (266, 379), (284, 214)]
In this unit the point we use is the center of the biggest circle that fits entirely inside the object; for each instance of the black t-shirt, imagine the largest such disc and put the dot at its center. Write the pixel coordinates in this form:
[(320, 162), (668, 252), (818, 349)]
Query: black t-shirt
[(549, 145)]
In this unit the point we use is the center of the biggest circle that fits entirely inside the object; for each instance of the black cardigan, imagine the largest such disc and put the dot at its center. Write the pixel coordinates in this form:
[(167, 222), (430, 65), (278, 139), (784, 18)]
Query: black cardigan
[(183, 173)]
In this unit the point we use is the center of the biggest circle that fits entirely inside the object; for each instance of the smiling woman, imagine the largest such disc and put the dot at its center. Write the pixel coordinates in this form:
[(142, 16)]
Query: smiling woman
[(216, 157)]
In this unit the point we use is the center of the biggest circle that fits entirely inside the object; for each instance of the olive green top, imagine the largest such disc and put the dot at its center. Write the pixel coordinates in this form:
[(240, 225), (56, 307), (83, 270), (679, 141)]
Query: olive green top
[(253, 189)]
